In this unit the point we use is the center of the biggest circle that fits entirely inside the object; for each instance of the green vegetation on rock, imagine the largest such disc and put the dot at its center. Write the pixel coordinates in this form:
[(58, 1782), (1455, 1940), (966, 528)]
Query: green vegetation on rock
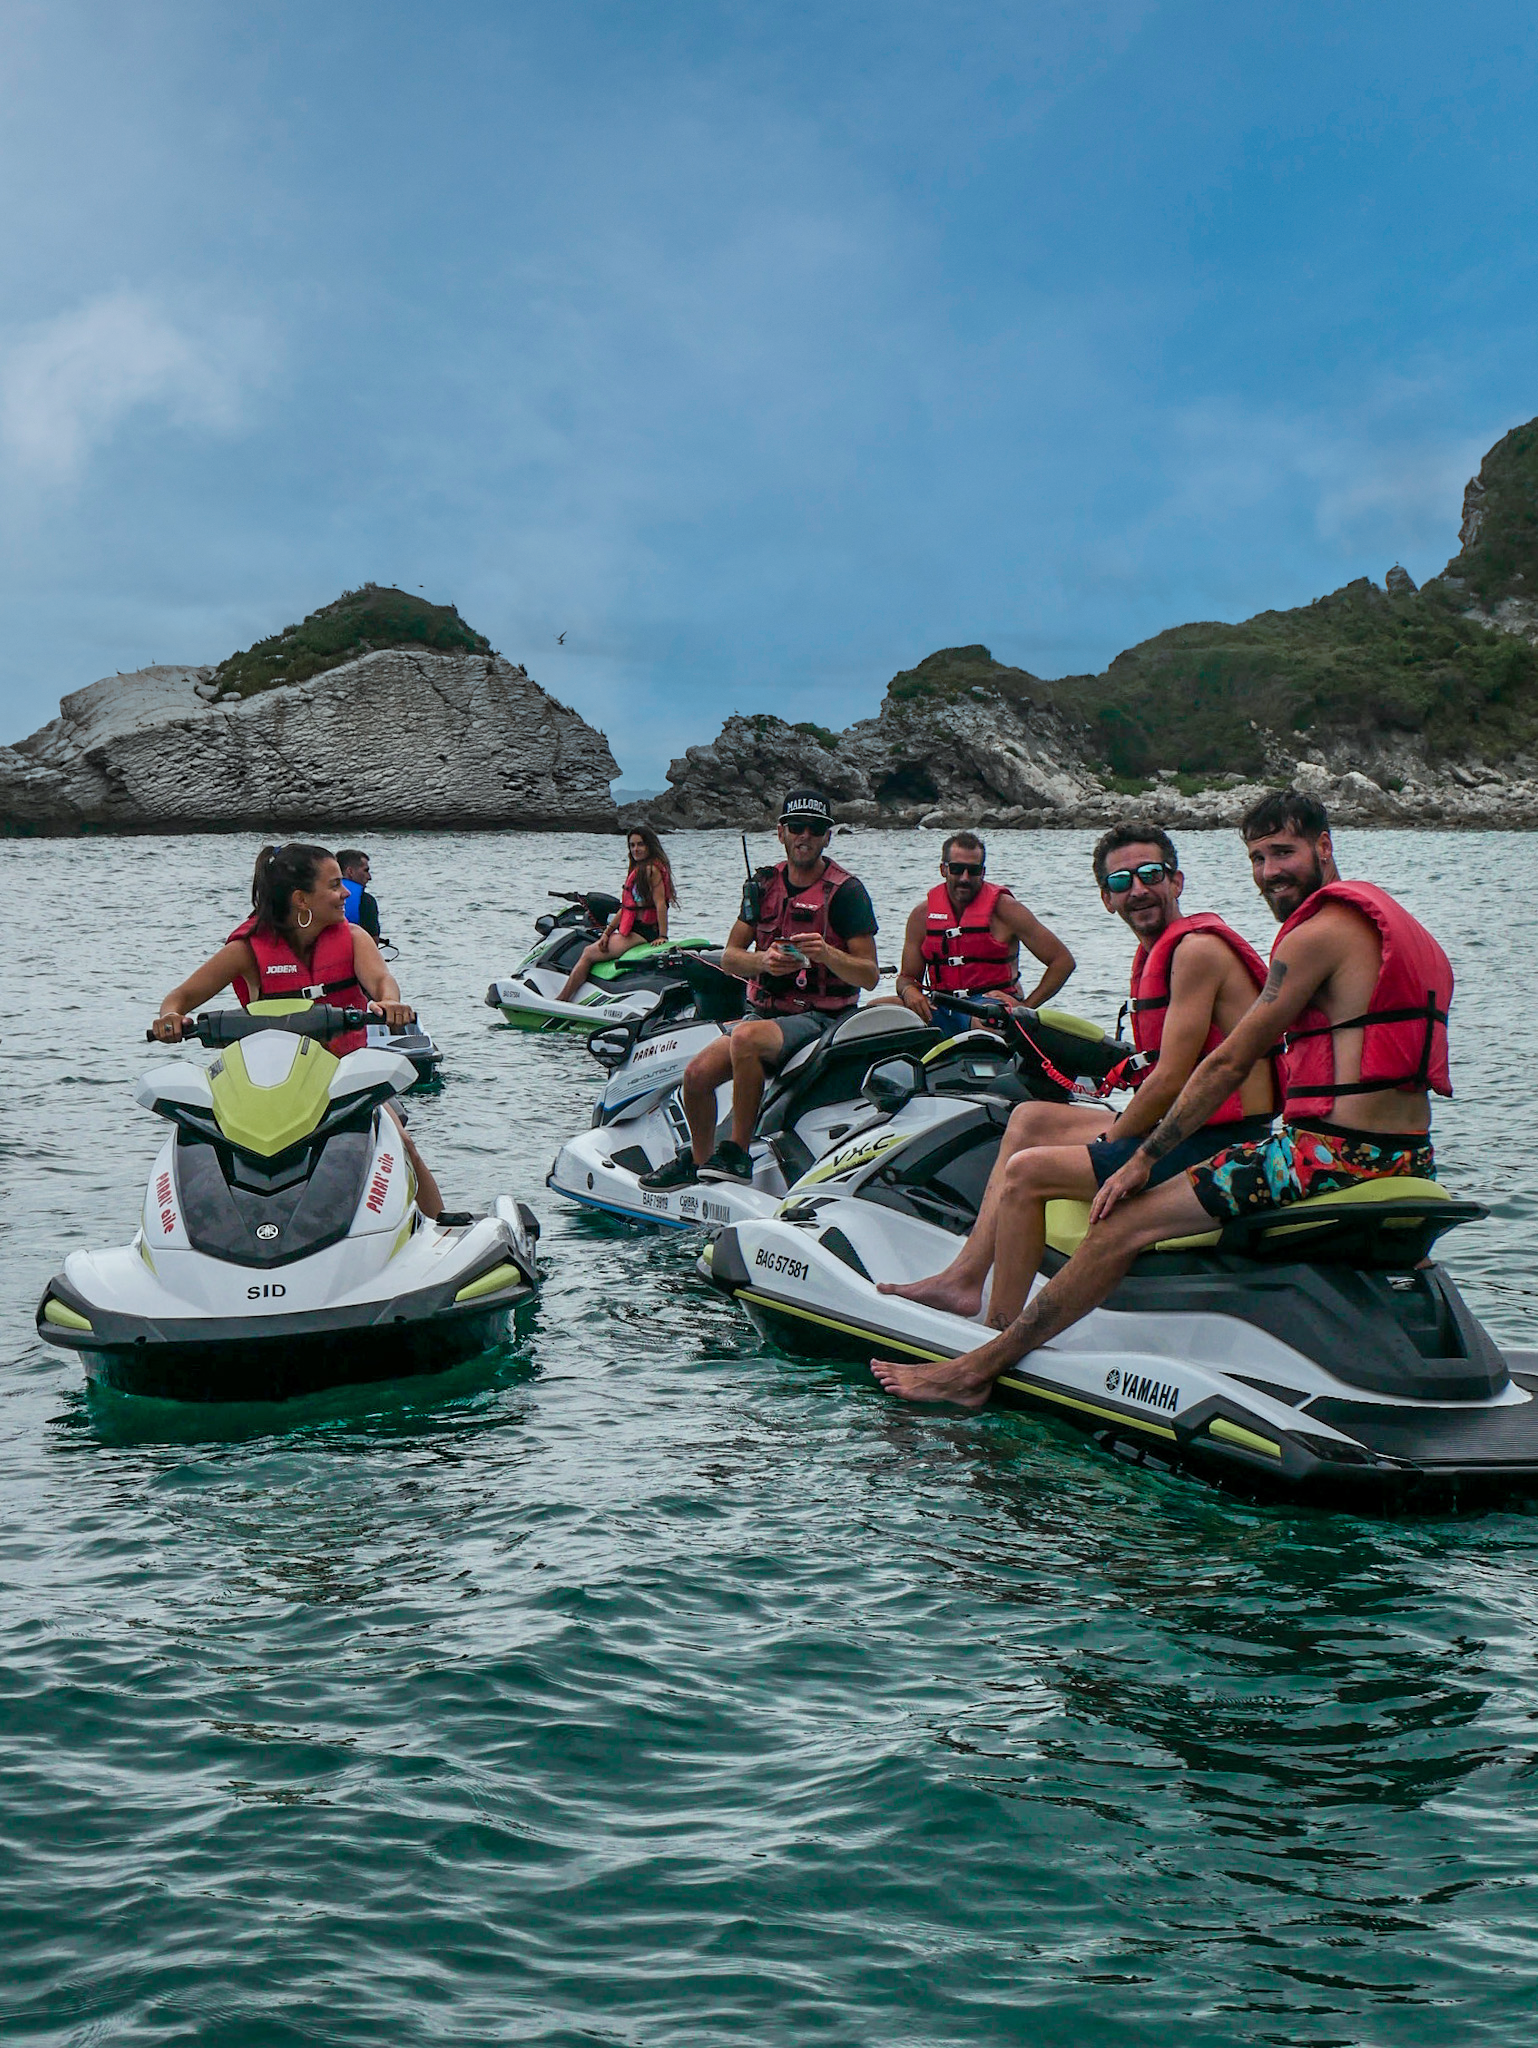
[(955, 672), (1500, 522), (1209, 700), (1201, 698), (356, 623)]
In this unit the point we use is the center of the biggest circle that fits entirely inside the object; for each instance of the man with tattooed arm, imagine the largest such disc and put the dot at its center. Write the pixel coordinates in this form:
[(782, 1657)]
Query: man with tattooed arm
[(1357, 995)]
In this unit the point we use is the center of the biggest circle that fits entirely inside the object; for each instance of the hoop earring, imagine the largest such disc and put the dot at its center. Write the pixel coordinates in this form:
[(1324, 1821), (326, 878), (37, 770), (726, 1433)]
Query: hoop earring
[(304, 922)]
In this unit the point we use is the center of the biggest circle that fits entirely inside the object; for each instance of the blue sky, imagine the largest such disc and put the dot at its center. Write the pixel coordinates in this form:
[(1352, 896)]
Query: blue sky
[(761, 349)]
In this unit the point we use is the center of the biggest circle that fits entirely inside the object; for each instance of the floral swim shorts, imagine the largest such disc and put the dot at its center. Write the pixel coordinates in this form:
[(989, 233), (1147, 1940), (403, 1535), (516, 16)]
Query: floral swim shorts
[(1303, 1159)]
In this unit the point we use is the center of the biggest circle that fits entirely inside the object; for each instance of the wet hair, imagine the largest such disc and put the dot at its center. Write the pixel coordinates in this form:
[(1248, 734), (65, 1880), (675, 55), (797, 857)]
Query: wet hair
[(969, 840), (1285, 810), (1132, 832), (349, 857), (280, 870), (655, 858)]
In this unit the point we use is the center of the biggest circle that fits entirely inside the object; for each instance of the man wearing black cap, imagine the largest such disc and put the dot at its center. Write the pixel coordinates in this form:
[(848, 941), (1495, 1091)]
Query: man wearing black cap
[(805, 943)]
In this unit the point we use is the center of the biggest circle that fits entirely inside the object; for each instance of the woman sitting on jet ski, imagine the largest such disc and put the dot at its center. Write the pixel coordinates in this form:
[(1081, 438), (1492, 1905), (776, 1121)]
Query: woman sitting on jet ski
[(297, 899), (642, 919)]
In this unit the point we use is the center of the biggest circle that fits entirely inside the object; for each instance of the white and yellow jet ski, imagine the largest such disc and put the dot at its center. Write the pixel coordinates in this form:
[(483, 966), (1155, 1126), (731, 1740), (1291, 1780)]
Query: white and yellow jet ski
[(813, 1106), (280, 1248), (1316, 1350)]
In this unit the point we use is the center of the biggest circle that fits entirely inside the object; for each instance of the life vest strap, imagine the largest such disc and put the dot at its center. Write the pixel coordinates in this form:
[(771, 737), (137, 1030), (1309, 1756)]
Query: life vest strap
[(1419, 1078)]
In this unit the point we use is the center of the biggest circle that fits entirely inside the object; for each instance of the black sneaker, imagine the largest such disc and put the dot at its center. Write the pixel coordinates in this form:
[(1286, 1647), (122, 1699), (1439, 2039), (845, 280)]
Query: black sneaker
[(727, 1162), (678, 1173)]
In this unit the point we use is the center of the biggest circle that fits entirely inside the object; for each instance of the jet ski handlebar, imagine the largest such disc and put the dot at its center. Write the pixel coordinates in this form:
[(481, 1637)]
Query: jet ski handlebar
[(225, 1027), (982, 1006)]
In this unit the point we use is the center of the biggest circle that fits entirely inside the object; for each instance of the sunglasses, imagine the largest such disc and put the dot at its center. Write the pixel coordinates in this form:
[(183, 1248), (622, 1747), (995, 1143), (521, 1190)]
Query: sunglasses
[(965, 867), (1149, 872), (818, 827)]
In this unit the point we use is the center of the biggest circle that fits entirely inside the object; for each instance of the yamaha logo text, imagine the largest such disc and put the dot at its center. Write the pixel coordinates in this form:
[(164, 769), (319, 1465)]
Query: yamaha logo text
[(1147, 1393)]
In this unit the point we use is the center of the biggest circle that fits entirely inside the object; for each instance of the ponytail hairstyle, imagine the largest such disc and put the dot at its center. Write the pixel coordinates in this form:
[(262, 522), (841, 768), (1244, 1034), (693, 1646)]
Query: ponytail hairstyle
[(280, 870), (655, 858)]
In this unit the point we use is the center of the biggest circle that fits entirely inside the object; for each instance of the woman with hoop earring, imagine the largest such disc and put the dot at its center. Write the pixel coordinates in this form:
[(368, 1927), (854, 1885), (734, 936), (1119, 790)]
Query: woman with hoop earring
[(297, 943)]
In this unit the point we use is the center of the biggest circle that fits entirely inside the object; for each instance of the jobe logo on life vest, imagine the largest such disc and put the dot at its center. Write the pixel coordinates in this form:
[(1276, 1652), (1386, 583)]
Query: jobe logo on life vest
[(1149, 1393)]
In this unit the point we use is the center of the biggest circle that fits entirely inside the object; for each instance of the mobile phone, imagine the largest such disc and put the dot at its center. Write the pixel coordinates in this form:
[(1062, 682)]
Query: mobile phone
[(795, 952)]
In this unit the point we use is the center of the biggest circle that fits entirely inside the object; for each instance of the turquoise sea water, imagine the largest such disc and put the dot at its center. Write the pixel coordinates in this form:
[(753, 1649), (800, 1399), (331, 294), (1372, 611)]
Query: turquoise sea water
[(643, 1686)]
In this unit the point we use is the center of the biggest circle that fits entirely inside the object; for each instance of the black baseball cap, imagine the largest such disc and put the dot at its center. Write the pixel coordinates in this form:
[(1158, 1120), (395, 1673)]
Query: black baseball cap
[(807, 807)]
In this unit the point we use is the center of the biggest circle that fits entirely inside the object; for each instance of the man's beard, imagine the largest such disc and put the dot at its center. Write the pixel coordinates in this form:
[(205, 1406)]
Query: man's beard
[(1287, 895)]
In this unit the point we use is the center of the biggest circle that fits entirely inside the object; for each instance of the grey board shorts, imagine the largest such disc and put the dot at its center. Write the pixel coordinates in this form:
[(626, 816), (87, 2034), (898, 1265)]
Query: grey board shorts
[(803, 1028)]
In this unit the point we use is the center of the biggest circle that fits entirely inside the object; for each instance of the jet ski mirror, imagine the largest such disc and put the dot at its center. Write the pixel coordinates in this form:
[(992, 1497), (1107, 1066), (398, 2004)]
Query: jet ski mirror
[(545, 925), (891, 1083), (611, 1048)]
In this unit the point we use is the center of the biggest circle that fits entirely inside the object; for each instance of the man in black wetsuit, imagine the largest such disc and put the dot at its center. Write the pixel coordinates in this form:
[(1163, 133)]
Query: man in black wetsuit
[(805, 942)]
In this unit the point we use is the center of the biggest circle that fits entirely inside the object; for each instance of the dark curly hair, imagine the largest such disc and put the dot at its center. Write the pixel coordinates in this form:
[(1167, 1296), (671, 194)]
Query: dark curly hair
[(1132, 832), (280, 870)]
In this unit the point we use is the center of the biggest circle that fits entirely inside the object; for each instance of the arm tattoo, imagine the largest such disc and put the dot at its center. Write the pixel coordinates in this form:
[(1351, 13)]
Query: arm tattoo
[(1274, 980), (1165, 1136)]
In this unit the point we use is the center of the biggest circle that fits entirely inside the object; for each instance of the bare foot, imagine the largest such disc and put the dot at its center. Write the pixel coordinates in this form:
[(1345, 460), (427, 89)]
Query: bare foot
[(965, 1382), (956, 1297)]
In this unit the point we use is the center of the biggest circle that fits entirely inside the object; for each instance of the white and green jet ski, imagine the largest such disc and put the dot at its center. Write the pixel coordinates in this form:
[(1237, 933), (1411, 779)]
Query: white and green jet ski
[(280, 1248), (1315, 1350), (616, 991), (812, 1105)]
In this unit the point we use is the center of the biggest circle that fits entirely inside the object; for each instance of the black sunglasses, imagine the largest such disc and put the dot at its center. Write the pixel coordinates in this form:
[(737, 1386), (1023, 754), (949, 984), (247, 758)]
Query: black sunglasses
[(1148, 872), (818, 827), (965, 867)]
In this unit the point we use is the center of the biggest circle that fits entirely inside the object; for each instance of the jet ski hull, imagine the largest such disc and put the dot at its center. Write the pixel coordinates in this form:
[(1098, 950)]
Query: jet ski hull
[(217, 1359), (1205, 1392)]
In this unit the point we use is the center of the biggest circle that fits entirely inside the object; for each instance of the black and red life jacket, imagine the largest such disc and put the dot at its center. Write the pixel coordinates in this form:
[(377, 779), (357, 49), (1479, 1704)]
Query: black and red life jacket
[(778, 904), (1151, 969), (638, 913), (1404, 1027), (960, 951), (330, 976)]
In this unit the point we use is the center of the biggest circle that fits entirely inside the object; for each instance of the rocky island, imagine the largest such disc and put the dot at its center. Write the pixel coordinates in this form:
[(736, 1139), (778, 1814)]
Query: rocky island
[(377, 710), (1395, 704)]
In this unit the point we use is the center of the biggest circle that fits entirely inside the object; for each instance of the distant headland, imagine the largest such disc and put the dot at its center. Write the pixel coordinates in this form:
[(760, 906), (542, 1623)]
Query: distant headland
[(1395, 704)]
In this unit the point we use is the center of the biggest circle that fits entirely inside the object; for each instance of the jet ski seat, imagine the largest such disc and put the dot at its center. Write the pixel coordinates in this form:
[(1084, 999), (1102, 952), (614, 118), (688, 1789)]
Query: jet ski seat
[(832, 1067), (1388, 1224), (648, 956)]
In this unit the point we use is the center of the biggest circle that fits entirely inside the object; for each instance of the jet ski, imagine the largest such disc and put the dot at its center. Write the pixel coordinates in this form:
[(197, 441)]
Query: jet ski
[(280, 1249), (412, 1043), (814, 1103), (616, 990), (1315, 1350)]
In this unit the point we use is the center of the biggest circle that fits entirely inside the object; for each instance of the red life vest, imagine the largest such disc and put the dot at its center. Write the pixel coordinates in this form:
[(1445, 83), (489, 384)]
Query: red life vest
[(637, 911), (1404, 1027), (960, 952), (1151, 995), (822, 990), (330, 977)]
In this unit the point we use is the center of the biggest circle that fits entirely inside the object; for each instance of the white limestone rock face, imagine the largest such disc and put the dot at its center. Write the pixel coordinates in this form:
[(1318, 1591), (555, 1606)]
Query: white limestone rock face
[(400, 737)]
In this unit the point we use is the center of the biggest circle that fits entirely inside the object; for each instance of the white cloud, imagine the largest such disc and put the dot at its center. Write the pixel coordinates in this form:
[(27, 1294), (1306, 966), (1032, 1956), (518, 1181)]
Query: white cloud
[(68, 383)]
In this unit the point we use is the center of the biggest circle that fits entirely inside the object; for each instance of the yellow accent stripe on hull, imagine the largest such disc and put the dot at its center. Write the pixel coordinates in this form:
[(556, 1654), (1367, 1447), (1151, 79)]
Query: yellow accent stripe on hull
[(806, 1315), (931, 1357), (1040, 1393), (1230, 1433)]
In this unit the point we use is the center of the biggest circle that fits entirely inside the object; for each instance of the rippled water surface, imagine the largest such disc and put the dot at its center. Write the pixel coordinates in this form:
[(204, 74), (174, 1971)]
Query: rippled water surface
[(643, 1686)]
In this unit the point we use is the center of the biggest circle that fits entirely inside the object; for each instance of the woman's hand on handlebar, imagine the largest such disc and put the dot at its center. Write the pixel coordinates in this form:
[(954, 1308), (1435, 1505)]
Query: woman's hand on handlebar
[(167, 1028), (913, 998), (396, 1015)]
